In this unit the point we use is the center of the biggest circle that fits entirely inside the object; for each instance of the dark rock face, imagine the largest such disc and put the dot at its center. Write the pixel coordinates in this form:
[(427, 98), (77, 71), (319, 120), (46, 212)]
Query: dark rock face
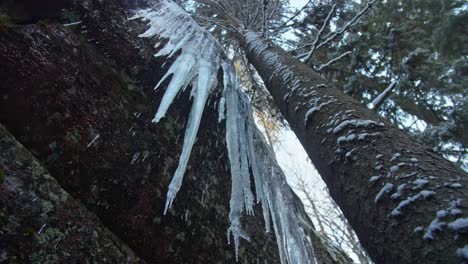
[(30, 11), (81, 99), (41, 223)]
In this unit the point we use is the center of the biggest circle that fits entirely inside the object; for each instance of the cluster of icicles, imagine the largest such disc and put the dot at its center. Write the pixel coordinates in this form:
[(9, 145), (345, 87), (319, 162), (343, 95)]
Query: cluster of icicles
[(200, 58)]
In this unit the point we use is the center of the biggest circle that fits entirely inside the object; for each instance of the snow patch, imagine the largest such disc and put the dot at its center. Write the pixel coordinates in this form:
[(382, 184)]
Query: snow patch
[(424, 194), (385, 189), (419, 183), (374, 178), (460, 225), (356, 123), (462, 252)]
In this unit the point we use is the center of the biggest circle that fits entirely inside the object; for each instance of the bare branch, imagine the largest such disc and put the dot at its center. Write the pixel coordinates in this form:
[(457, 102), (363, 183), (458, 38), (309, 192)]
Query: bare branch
[(319, 68), (319, 34), (332, 36), (293, 16), (380, 99)]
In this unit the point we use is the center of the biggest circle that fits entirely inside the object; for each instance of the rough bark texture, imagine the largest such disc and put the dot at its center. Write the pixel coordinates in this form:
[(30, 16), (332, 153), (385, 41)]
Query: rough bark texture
[(81, 99), (42, 223), (347, 164)]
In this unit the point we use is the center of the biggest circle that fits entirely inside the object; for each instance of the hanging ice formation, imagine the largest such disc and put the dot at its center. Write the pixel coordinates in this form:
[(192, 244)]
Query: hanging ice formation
[(198, 63)]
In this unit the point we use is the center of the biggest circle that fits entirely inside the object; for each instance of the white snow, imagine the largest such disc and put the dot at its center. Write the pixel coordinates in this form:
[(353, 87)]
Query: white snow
[(462, 252), (395, 156), (394, 169), (385, 189), (374, 178), (72, 24), (399, 192), (94, 140), (460, 225), (456, 211), (381, 96), (419, 183), (424, 194), (317, 107), (436, 225), (441, 213), (355, 123)]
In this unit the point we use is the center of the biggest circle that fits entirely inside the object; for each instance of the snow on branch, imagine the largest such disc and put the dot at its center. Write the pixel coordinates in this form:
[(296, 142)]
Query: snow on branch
[(200, 58), (322, 66), (380, 99)]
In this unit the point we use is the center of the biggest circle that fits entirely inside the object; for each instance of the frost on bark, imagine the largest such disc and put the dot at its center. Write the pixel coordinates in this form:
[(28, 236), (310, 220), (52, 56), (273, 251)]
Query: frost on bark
[(42, 223), (404, 201)]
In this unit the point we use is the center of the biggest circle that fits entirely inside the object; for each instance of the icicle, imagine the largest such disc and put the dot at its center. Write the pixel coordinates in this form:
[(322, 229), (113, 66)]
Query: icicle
[(182, 72), (205, 81), (251, 153), (293, 245), (221, 109), (198, 63)]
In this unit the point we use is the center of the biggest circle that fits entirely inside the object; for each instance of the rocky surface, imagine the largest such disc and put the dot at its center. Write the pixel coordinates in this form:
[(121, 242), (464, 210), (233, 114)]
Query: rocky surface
[(42, 223)]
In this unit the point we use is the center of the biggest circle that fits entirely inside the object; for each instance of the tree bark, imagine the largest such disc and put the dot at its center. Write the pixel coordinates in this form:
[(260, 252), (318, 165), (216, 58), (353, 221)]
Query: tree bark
[(350, 144)]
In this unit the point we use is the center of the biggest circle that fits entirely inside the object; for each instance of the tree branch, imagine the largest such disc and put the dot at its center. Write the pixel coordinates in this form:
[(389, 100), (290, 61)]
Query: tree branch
[(319, 34), (319, 68)]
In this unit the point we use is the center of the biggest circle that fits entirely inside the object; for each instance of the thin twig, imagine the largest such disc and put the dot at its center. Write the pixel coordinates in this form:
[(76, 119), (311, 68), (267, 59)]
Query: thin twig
[(319, 68), (332, 35), (319, 34), (293, 16), (353, 21), (380, 99)]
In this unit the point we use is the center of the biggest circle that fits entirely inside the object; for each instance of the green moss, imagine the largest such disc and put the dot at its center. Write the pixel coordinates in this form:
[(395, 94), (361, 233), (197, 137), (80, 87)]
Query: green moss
[(11, 13), (68, 16), (5, 21), (172, 128), (2, 176), (28, 232)]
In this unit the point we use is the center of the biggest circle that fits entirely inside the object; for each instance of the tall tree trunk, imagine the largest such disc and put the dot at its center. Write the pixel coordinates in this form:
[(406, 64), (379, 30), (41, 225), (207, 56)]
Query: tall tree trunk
[(400, 197)]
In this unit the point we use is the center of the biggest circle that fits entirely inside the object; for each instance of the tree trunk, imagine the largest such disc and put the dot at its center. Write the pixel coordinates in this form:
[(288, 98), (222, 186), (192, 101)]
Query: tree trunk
[(365, 161)]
